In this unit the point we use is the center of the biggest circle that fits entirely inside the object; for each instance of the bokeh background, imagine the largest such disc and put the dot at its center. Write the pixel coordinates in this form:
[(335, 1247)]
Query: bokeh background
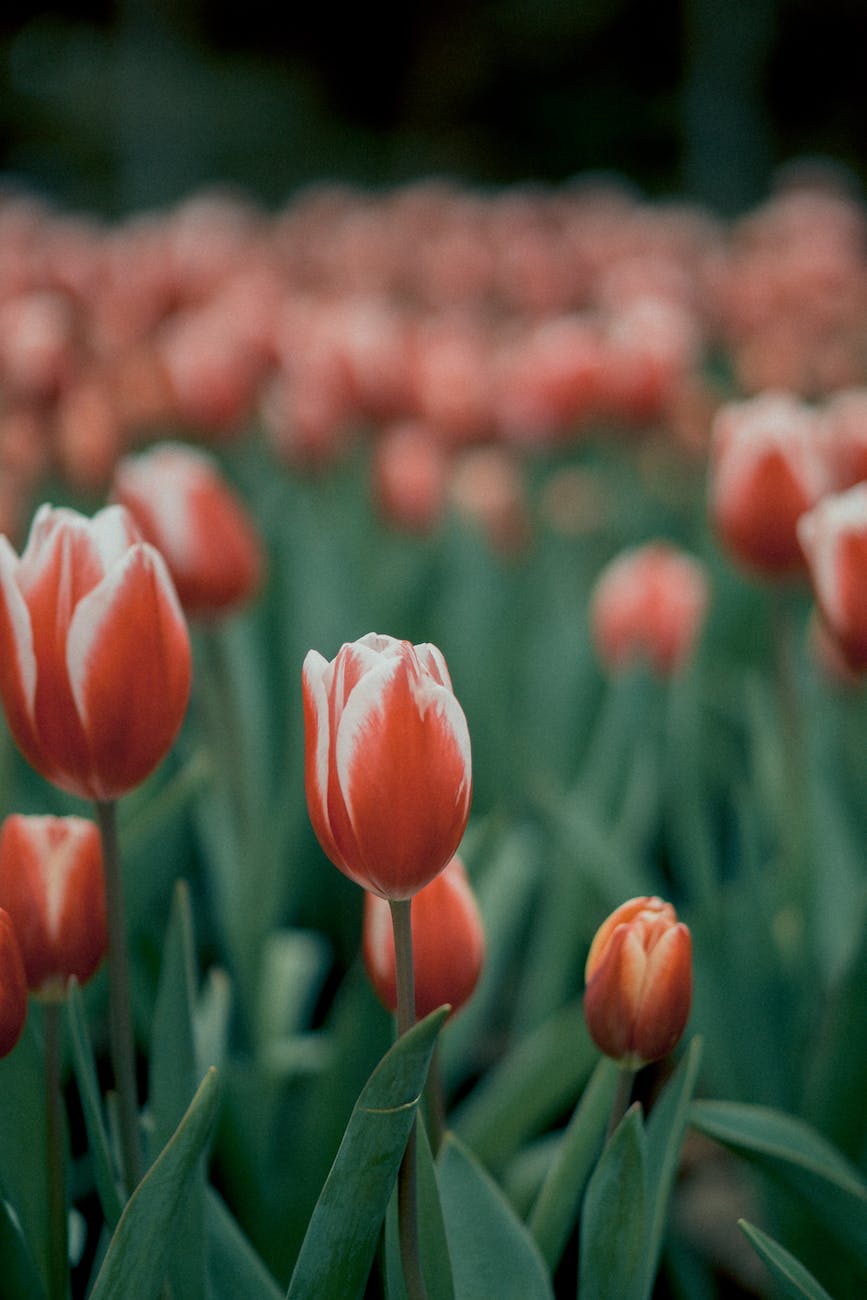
[(116, 106)]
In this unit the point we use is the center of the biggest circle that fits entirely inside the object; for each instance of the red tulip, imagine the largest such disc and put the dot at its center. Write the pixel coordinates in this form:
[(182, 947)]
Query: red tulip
[(51, 884), (387, 762), (834, 537), (447, 938), (183, 505), (13, 986), (767, 468), (639, 982), (94, 651), (649, 604)]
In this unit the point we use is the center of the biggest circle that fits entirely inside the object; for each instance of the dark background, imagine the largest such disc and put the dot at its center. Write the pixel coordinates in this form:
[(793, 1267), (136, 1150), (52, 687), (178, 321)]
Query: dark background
[(113, 107)]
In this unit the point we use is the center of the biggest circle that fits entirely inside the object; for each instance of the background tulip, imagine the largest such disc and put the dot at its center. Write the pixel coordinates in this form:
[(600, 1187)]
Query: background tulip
[(447, 937), (94, 651), (51, 884), (834, 537), (387, 762), (639, 982), (184, 506), (13, 986)]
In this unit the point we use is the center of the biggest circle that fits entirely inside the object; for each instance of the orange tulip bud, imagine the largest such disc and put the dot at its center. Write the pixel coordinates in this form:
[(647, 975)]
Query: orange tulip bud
[(183, 505), (387, 762), (95, 659), (51, 884), (639, 982), (649, 604), (448, 943), (834, 537), (13, 986)]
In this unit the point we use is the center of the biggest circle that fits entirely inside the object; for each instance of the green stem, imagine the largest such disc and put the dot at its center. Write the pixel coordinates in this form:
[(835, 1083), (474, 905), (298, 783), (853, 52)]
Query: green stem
[(58, 1250), (436, 1107), (119, 1004), (407, 1193), (620, 1103)]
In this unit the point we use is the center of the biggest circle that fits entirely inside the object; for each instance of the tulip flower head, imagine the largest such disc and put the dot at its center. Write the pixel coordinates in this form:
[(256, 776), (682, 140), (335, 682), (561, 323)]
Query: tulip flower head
[(183, 505), (767, 469), (834, 537), (447, 937), (387, 762), (649, 604), (639, 982), (51, 884), (95, 657), (13, 986)]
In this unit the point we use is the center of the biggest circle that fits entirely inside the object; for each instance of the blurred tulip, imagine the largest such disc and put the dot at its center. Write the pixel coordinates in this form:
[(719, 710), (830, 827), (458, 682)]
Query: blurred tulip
[(487, 488), (649, 604), (13, 986), (51, 884), (183, 505), (447, 938), (409, 476), (844, 429), (767, 468), (387, 762), (639, 982), (95, 657), (834, 537)]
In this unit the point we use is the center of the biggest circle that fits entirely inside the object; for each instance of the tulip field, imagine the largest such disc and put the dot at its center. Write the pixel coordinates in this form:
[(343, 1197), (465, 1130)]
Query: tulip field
[(433, 628)]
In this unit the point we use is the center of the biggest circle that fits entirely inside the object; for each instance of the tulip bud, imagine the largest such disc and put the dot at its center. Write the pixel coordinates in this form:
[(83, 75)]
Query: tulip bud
[(767, 468), (51, 884), (447, 938), (13, 986), (387, 762), (649, 604), (183, 505), (834, 537), (95, 659), (639, 982)]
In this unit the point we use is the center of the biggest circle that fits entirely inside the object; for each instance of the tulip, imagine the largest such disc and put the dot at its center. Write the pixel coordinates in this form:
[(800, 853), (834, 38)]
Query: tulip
[(51, 884), (387, 762), (649, 604), (13, 986), (767, 469), (834, 537), (447, 938), (95, 657), (639, 982), (183, 505)]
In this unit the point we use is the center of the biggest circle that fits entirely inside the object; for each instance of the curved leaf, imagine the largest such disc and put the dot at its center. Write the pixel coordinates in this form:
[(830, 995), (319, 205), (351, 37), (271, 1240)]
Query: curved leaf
[(614, 1219), (789, 1272)]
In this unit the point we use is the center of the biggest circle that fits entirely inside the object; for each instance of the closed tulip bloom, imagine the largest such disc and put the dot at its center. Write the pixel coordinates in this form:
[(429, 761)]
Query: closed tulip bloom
[(387, 762), (94, 651), (447, 937), (648, 605), (767, 468), (13, 986), (834, 537), (51, 884), (183, 505), (639, 982)]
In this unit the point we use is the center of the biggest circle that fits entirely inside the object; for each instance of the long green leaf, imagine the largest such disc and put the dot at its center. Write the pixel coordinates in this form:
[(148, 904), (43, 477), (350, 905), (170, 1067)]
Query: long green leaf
[(789, 1272), (614, 1219), (21, 1281), (235, 1270), (492, 1252), (137, 1257), (22, 1136), (339, 1245), (433, 1244), (107, 1188)]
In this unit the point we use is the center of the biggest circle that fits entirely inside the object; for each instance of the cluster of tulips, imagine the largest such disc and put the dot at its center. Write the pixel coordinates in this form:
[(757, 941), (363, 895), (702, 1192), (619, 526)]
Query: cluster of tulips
[(461, 338)]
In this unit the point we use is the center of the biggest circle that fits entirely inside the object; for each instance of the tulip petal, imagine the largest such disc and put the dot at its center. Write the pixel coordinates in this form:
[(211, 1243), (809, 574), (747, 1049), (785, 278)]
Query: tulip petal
[(611, 998), (667, 995), (17, 659), (315, 675)]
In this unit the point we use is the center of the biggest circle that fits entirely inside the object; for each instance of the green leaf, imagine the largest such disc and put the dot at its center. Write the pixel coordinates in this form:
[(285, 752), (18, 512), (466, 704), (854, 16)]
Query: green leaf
[(235, 1271), (556, 1209), (788, 1271), (107, 1187), (664, 1133), (137, 1259), (339, 1245), (492, 1252), (433, 1244), (22, 1139), (796, 1154), (172, 1084), (614, 1220), (21, 1281)]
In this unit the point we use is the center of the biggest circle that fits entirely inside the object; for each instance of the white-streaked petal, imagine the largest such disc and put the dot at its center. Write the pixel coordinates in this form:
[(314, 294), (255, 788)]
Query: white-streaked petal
[(433, 661), (19, 619), (360, 712), (113, 532), (314, 673)]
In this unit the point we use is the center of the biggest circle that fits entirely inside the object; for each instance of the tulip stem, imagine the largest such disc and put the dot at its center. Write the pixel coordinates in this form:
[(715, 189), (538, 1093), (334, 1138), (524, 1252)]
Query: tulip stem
[(622, 1095), (119, 1003), (58, 1252), (407, 1195)]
